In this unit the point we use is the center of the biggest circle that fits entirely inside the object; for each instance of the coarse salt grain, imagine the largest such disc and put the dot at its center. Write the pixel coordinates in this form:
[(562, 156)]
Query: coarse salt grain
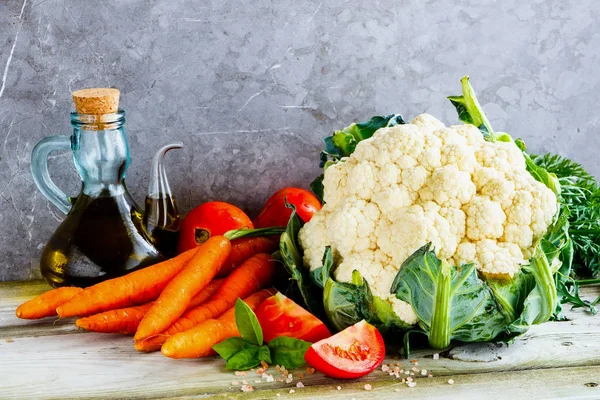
[(239, 373), (423, 372), (368, 387), (278, 395), (411, 384), (292, 391), (246, 388), (409, 379), (300, 385), (339, 388), (436, 356), (451, 381), (385, 368), (244, 382)]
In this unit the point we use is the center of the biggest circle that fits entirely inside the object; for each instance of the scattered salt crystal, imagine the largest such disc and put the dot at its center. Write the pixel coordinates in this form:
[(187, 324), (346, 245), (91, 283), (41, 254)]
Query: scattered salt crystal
[(423, 372), (292, 391), (339, 388), (299, 385), (415, 369), (451, 381), (278, 395), (246, 388), (270, 378), (385, 368), (290, 376), (430, 376), (407, 372), (409, 379), (411, 384), (368, 387), (239, 373), (436, 356)]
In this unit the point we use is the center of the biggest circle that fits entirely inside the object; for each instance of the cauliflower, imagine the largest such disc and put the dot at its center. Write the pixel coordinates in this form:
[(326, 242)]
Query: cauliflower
[(411, 184)]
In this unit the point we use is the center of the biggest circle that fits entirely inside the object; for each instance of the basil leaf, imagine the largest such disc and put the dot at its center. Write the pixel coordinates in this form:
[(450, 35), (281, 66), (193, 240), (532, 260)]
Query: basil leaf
[(247, 323), (288, 352), (244, 359), (229, 347), (264, 354)]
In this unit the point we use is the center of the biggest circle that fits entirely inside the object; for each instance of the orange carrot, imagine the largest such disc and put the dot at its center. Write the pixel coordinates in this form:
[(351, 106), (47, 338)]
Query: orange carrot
[(126, 320), (176, 296), (244, 248), (135, 288), (45, 304), (198, 341), (254, 274)]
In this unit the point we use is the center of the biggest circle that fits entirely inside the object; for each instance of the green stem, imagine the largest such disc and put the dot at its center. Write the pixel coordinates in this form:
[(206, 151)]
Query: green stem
[(545, 281), (584, 282), (439, 331), (240, 233)]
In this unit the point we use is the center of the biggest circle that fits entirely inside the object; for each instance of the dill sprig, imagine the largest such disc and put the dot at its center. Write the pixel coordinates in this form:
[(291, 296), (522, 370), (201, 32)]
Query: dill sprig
[(580, 192)]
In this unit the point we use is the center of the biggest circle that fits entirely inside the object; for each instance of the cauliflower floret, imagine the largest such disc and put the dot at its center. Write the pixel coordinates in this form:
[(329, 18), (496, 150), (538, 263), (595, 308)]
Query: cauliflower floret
[(485, 219), (423, 182), (448, 187), (497, 261)]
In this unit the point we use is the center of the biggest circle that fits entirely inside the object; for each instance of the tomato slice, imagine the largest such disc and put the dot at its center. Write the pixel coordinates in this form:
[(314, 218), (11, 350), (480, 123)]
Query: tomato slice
[(280, 316), (210, 219), (275, 213), (351, 353)]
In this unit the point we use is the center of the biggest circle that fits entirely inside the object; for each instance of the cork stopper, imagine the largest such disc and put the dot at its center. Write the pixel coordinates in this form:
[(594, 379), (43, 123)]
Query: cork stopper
[(96, 101)]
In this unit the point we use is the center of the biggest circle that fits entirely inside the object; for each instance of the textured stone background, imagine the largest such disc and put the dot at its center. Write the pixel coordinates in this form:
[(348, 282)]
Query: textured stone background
[(252, 86)]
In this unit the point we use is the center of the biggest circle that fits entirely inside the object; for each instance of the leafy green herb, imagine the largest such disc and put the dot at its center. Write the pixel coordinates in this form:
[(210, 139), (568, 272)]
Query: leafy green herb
[(243, 353), (230, 347), (288, 351), (247, 323), (244, 359), (580, 192), (317, 188)]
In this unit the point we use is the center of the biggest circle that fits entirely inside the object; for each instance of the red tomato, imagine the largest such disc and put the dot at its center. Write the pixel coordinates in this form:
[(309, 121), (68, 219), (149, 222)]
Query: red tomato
[(209, 219), (351, 353), (280, 316), (275, 213)]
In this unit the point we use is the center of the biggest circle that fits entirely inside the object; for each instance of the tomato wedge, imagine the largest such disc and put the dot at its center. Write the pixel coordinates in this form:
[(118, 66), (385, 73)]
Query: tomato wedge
[(275, 213), (280, 316), (349, 354)]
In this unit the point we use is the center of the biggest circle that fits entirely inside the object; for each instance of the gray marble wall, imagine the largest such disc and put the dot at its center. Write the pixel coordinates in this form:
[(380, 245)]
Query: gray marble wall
[(250, 87)]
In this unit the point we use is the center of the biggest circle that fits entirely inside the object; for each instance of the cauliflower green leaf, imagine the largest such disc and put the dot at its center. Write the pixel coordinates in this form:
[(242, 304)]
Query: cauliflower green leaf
[(452, 303)]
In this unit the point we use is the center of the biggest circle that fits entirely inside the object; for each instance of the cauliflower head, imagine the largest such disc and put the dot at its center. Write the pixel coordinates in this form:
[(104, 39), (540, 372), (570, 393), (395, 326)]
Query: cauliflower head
[(421, 182)]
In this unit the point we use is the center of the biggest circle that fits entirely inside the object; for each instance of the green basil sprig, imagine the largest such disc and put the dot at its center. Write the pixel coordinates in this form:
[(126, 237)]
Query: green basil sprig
[(246, 352)]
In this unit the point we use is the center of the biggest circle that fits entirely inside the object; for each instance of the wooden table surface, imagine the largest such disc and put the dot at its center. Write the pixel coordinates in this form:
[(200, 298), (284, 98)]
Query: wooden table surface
[(52, 359)]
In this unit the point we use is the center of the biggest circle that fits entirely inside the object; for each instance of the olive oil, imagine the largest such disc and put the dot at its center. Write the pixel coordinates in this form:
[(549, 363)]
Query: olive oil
[(161, 220), (101, 238)]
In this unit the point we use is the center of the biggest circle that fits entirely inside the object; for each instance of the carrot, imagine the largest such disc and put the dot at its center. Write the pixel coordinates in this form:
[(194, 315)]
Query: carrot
[(135, 288), (126, 320), (198, 341), (252, 275), (244, 248), (176, 296), (45, 304)]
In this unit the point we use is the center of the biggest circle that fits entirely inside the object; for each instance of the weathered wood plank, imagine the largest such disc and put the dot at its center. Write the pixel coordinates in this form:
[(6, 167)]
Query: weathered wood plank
[(553, 360)]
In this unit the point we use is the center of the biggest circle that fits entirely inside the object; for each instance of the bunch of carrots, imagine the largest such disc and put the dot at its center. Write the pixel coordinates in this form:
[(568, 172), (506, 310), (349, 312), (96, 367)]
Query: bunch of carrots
[(182, 306)]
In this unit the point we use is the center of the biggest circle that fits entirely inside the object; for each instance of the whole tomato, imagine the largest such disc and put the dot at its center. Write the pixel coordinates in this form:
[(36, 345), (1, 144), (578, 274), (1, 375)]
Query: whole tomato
[(209, 219), (275, 213)]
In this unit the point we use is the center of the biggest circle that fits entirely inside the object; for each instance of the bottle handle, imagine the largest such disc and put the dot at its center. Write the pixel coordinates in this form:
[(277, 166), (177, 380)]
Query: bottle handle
[(39, 170)]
